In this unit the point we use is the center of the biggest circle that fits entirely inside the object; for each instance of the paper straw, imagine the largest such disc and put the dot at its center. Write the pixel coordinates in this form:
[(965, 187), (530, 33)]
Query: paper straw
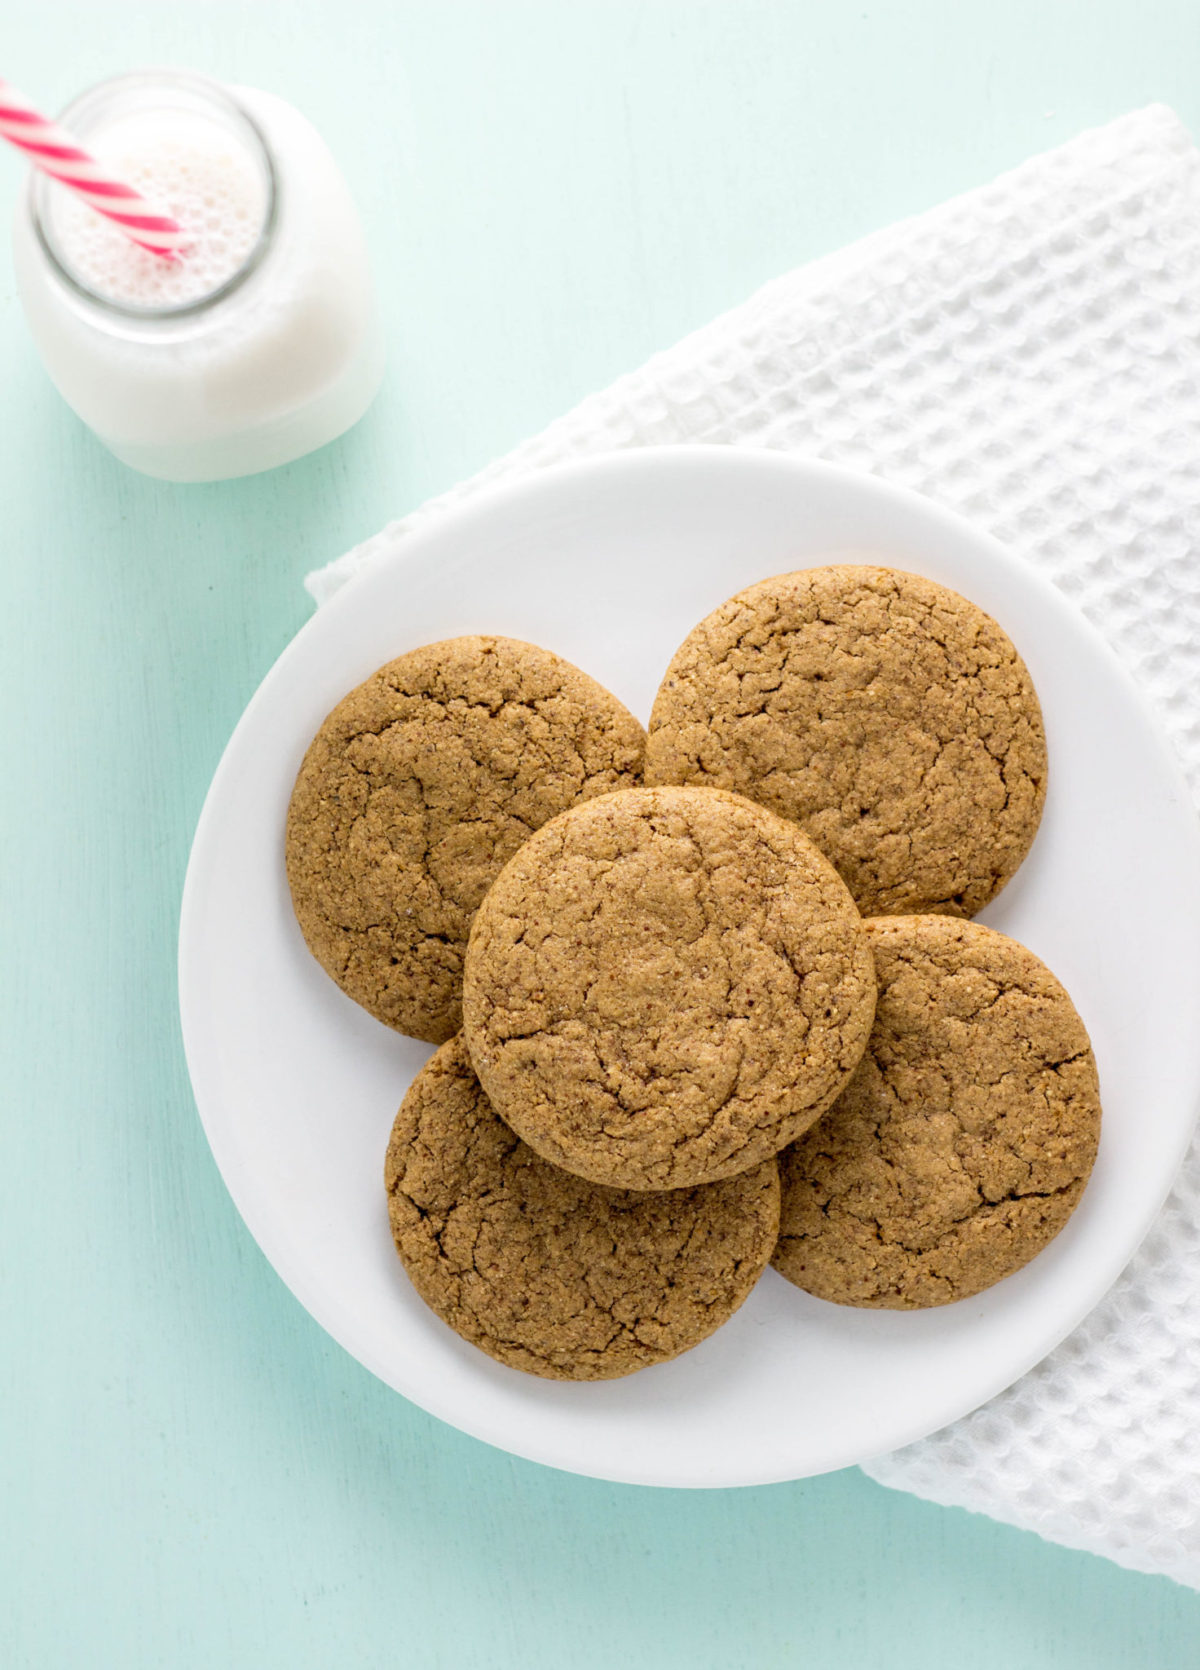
[(52, 150)]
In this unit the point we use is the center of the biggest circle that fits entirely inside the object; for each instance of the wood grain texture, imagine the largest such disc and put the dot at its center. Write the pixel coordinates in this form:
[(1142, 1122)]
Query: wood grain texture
[(191, 1473)]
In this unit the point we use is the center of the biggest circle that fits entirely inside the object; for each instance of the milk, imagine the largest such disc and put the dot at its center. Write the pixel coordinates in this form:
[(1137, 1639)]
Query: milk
[(262, 342), (198, 170)]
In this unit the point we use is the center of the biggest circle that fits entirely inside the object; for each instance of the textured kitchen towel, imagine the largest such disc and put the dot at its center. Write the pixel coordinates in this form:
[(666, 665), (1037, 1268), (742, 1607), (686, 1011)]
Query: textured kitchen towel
[(1029, 354)]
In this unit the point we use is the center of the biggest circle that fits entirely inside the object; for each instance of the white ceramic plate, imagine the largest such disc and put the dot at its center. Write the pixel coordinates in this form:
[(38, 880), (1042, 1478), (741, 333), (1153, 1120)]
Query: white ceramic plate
[(610, 563)]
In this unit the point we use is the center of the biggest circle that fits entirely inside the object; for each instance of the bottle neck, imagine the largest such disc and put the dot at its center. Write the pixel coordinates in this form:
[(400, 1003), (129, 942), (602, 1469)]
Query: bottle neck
[(153, 104)]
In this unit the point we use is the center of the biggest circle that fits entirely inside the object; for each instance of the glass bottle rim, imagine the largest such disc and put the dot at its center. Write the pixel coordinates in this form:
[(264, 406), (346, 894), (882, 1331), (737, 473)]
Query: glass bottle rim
[(74, 119)]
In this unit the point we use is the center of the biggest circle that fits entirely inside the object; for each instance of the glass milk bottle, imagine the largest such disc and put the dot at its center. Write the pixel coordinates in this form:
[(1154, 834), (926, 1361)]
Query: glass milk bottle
[(262, 341)]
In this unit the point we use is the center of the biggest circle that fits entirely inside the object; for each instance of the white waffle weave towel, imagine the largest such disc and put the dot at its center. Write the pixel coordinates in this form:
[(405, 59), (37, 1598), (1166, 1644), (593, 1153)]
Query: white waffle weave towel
[(1029, 354)]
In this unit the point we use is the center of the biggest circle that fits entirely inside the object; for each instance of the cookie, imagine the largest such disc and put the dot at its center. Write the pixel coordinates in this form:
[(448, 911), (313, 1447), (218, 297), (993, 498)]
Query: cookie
[(666, 986), (418, 787), (548, 1273), (891, 718), (963, 1142)]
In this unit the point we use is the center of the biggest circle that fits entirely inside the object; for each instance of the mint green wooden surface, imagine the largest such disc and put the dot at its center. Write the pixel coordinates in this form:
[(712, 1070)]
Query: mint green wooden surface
[(192, 1476)]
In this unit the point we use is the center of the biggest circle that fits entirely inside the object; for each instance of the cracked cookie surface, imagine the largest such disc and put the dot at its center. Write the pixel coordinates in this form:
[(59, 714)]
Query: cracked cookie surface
[(415, 791), (665, 986), (889, 717), (963, 1142), (546, 1272)]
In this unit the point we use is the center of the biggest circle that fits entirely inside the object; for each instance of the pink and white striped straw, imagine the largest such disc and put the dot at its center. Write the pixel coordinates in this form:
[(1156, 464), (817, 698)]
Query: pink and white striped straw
[(57, 154)]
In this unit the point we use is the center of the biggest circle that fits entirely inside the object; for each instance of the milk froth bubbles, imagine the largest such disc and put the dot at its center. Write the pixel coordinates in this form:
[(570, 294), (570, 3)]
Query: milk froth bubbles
[(262, 342)]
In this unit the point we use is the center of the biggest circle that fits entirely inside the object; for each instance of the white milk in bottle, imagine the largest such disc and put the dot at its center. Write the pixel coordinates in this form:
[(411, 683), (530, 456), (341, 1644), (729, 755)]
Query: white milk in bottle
[(262, 341)]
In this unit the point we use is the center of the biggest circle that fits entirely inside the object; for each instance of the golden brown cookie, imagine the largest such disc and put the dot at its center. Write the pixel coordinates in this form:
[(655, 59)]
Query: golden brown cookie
[(418, 787), (548, 1273), (964, 1140), (665, 986), (891, 718)]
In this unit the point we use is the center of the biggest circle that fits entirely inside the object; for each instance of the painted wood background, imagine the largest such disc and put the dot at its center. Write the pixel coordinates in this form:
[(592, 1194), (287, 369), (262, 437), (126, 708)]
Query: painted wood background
[(191, 1473)]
